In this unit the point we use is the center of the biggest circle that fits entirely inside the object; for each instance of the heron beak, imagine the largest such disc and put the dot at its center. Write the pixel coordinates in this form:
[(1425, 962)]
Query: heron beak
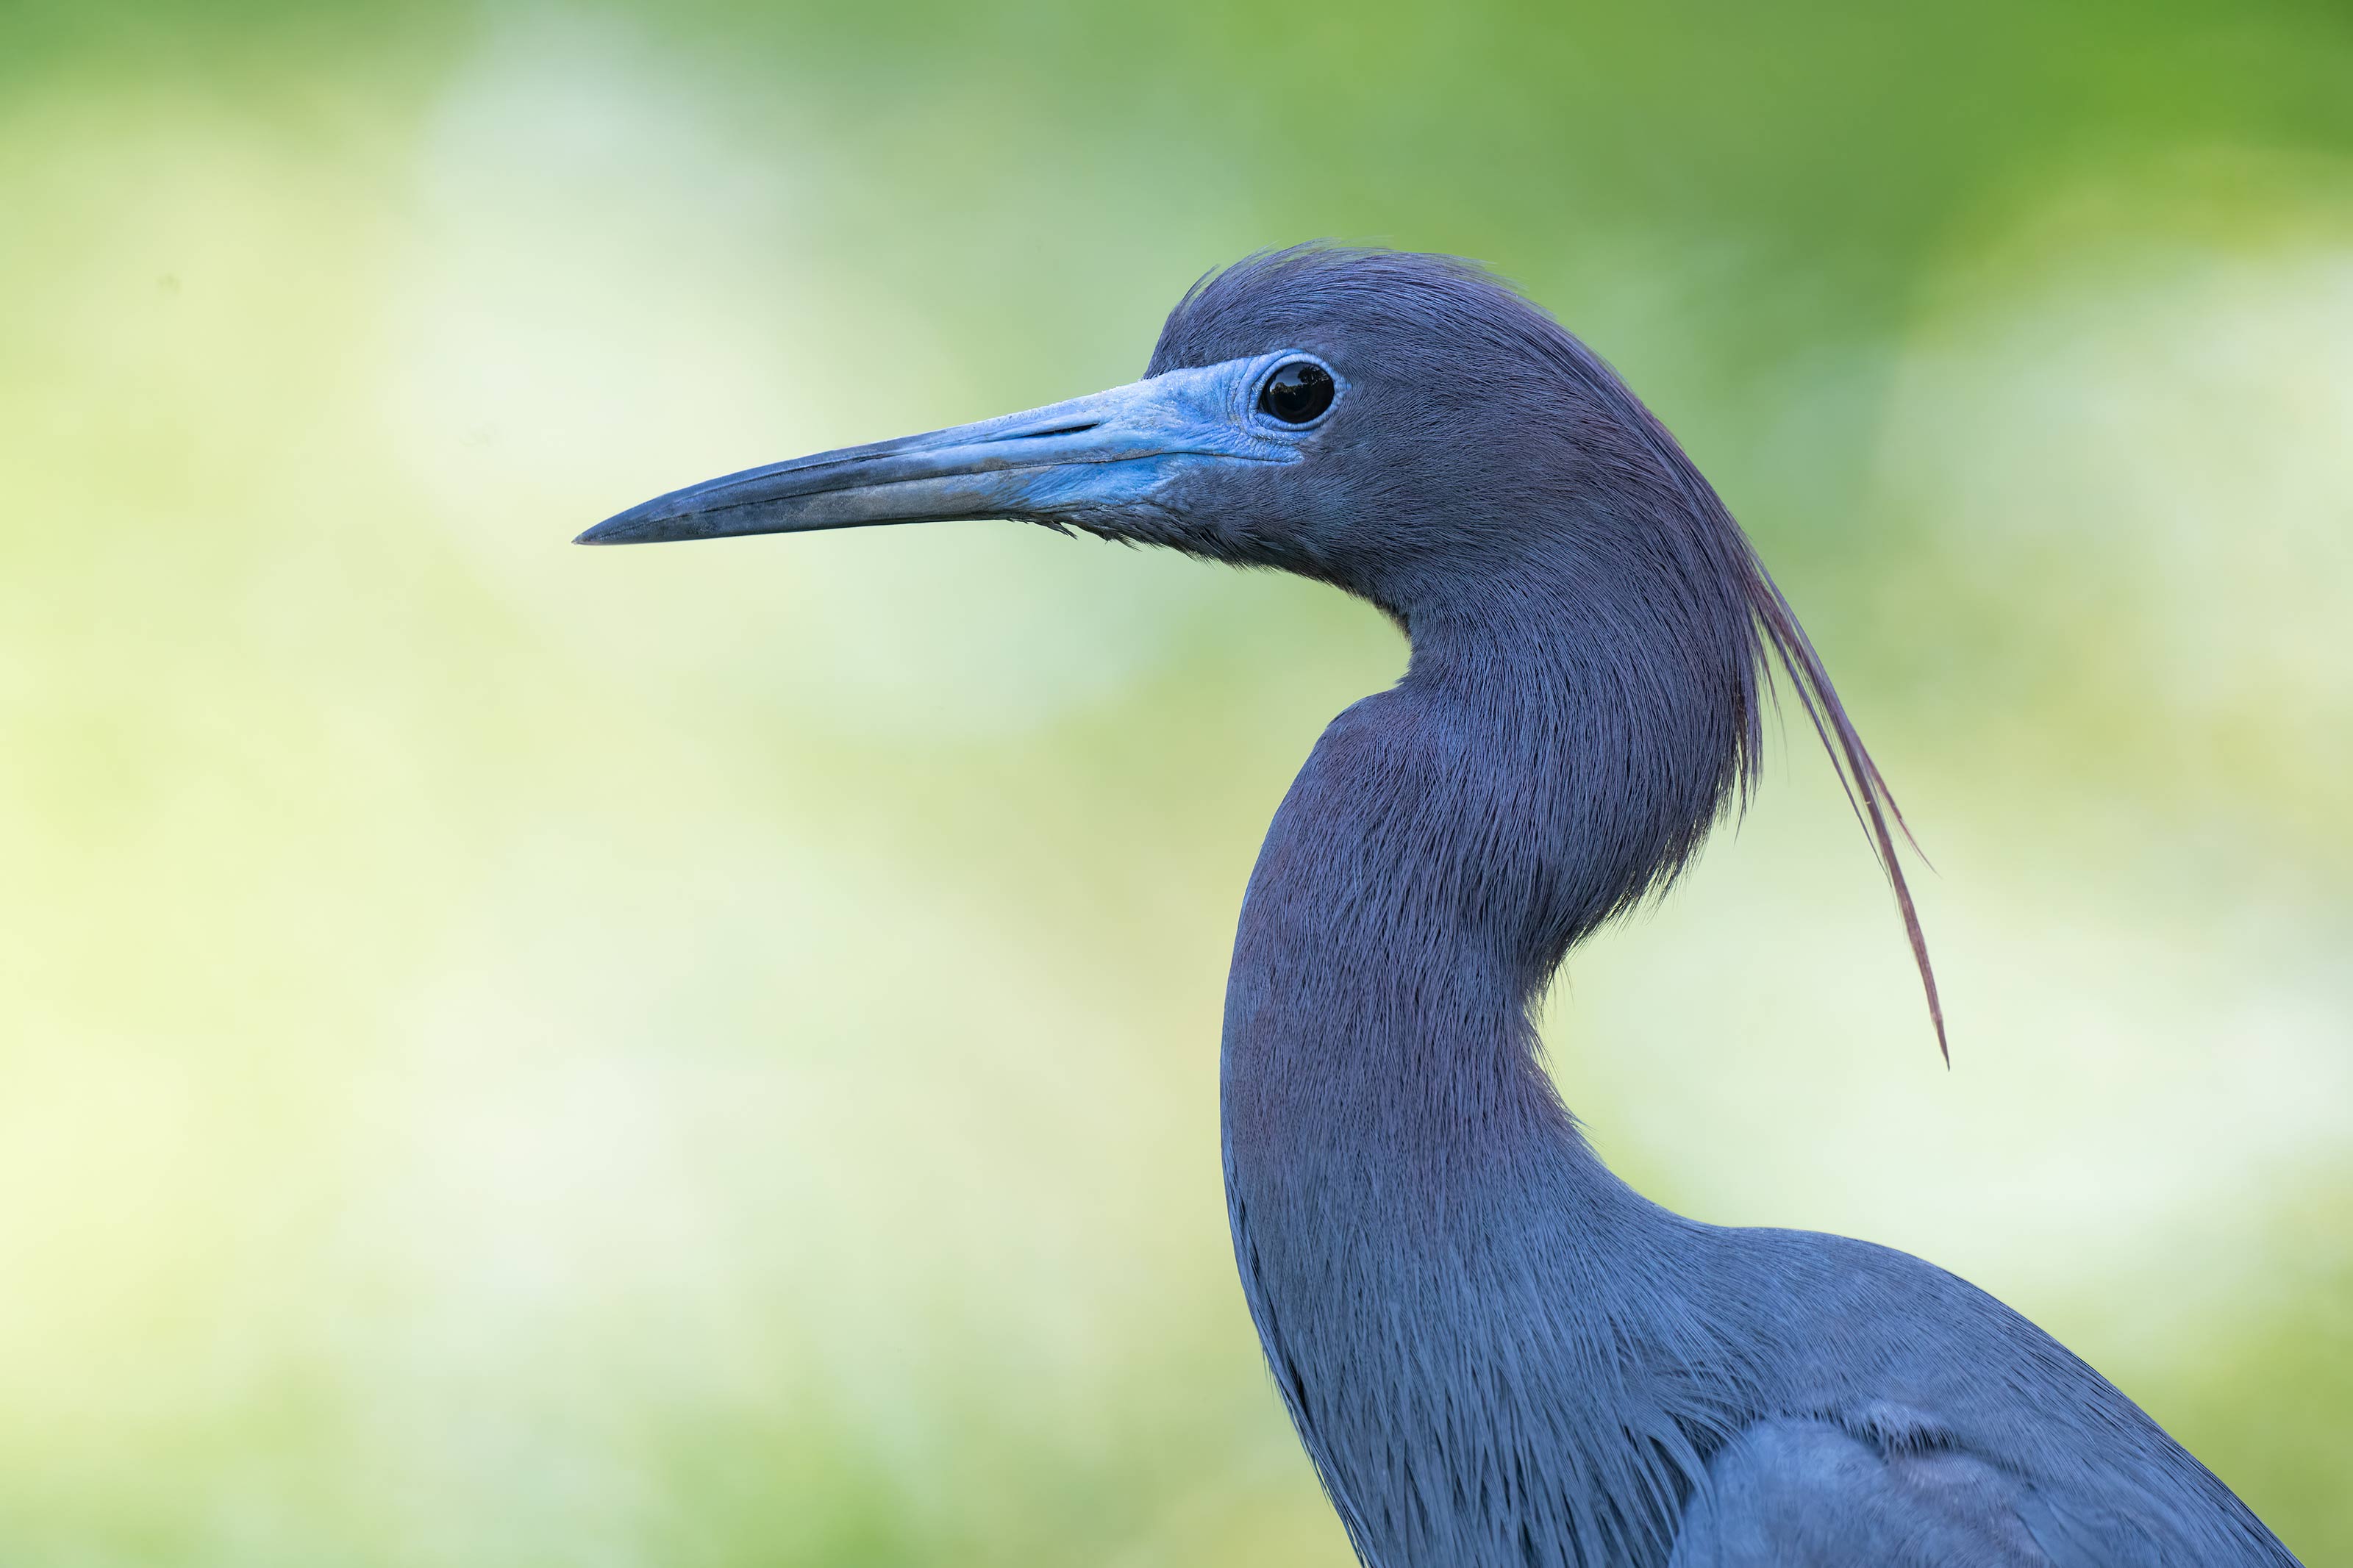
[(1093, 462)]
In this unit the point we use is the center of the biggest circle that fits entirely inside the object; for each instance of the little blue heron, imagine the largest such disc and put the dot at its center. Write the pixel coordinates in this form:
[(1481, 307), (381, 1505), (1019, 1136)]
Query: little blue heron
[(1498, 1354)]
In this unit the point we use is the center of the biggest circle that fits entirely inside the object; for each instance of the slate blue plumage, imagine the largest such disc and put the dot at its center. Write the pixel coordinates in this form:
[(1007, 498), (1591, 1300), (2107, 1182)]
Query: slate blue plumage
[(1497, 1354)]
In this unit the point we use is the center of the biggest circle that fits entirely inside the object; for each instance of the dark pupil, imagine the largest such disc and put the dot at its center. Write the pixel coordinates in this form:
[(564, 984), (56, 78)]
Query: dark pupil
[(1297, 393)]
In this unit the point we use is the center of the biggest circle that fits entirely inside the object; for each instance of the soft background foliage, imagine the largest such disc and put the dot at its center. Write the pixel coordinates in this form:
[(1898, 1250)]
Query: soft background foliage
[(513, 1055)]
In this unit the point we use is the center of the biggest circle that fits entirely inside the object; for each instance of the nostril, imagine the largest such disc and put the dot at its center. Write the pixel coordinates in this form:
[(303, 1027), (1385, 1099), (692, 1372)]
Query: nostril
[(1080, 428)]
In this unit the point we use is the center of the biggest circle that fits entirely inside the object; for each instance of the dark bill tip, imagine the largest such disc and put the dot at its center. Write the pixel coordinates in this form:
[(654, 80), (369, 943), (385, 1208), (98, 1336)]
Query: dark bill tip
[(623, 529), (664, 518)]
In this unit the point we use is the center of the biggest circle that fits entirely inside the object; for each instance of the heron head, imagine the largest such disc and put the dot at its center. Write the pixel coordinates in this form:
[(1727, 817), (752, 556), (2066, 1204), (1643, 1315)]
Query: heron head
[(1381, 420)]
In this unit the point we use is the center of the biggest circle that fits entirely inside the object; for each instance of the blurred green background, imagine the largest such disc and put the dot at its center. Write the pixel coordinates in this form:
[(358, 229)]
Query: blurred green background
[(515, 1055)]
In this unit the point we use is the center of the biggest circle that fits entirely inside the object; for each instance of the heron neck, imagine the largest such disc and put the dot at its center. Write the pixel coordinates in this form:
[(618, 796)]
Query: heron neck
[(1445, 844)]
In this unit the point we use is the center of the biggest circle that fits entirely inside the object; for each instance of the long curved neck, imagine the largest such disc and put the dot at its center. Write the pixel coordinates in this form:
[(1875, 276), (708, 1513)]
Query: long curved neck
[(1537, 769), (1412, 1206)]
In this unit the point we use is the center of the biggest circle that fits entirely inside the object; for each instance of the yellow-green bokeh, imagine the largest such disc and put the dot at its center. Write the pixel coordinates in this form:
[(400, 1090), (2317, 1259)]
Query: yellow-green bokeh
[(511, 1055)]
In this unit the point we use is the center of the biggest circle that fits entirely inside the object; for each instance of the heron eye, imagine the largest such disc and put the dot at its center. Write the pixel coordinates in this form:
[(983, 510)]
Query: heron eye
[(1296, 393)]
